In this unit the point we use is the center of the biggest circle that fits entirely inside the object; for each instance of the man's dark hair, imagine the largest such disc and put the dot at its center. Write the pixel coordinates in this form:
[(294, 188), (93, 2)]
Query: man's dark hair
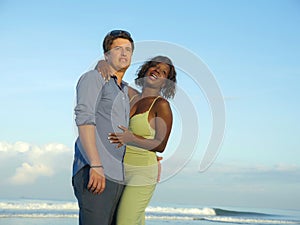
[(111, 36)]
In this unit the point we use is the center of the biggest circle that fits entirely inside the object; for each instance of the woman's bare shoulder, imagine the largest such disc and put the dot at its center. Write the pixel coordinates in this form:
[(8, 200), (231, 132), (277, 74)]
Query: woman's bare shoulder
[(132, 92), (163, 104)]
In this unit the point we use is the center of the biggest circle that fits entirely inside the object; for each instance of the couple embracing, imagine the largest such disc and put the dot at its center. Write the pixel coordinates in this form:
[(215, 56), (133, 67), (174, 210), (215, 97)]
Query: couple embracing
[(115, 168)]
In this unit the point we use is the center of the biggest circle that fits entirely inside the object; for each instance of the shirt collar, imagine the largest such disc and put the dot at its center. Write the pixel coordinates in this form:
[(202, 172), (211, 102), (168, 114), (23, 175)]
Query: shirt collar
[(123, 83)]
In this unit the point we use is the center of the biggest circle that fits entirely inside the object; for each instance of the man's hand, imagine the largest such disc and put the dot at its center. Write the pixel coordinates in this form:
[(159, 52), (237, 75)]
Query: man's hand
[(97, 180)]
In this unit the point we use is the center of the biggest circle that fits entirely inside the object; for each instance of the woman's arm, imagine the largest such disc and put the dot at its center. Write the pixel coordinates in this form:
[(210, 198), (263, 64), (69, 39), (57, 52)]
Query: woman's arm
[(163, 125), (104, 69)]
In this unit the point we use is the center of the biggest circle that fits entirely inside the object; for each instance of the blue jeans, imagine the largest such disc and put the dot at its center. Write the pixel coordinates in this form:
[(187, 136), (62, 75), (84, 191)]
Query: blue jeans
[(96, 209)]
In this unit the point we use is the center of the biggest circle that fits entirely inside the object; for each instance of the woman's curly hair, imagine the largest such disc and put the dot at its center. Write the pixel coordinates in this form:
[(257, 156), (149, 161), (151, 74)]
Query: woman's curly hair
[(169, 89)]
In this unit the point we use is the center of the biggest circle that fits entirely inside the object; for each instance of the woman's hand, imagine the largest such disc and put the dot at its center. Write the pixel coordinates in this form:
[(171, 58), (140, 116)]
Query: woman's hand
[(121, 138), (104, 69)]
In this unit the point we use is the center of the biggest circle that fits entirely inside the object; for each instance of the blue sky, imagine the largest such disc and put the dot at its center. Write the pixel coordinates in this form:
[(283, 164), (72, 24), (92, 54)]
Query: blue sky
[(251, 47)]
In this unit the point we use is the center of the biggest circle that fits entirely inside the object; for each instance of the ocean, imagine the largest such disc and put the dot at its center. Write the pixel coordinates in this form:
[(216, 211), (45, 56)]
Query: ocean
[(42, 212)]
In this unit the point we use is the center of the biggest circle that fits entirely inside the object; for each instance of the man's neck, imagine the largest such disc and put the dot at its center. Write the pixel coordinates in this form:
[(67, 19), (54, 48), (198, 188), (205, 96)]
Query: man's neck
[(119, 75)]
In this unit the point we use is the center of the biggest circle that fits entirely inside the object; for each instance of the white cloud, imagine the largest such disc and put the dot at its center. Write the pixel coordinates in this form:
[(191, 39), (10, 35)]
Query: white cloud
[(27, 174), (240, 168), (283, 167), (16, 147), (21, 146), (27, 162)]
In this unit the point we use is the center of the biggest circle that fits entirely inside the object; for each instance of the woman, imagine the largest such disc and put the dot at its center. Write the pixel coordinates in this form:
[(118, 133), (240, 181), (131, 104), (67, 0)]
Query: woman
[(149, 130)]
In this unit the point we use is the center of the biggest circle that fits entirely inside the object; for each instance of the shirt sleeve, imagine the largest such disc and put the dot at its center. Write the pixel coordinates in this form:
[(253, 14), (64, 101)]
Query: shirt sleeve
[(87, 92)]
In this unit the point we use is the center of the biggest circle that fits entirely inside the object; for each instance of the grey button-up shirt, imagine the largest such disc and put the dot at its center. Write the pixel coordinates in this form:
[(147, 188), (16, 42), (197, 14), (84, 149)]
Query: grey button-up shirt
[(105, 105)]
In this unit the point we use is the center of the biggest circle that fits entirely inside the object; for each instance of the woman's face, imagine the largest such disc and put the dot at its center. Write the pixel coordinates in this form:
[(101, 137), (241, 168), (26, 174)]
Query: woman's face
[(156, 75)]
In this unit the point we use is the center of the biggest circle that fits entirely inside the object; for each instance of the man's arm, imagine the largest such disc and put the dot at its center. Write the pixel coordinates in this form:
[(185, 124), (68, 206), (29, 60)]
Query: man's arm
[(88, 140), (88, 89)]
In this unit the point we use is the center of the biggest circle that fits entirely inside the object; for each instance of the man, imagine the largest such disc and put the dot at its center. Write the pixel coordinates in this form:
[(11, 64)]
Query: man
[(101, 107)]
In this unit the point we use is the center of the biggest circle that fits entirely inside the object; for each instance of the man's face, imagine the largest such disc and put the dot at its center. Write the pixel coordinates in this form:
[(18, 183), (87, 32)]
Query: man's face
[(119, 56)]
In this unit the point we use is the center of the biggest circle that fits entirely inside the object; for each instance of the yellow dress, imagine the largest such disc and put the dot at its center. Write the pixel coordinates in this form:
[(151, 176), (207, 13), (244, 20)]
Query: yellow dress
[(141, 170)]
